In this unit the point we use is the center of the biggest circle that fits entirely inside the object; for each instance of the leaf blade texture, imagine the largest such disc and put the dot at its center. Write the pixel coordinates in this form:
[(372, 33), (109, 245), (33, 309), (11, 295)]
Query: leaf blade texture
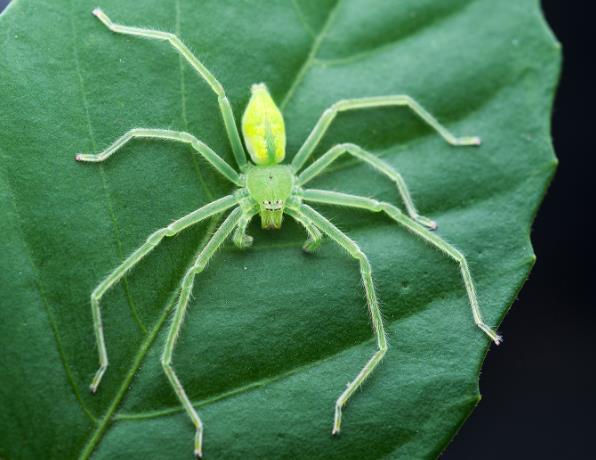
[(273, 335)]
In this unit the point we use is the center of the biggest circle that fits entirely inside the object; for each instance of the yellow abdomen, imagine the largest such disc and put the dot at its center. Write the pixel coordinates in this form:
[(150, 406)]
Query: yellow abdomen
[(263, 128)]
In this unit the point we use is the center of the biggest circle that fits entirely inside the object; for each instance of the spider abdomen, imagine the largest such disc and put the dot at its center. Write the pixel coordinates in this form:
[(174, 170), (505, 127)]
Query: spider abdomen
[(263, 128)]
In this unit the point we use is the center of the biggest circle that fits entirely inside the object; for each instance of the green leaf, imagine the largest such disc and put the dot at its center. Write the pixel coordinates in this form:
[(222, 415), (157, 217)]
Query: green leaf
[(273, 335)]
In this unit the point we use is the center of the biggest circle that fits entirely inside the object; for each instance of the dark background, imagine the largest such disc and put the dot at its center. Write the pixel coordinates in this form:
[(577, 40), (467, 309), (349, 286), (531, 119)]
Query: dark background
[(539, 396), (538, 388)]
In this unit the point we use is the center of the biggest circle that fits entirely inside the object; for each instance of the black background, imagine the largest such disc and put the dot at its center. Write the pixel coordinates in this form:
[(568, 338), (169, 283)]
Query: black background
[(538, 388), (539, 398)]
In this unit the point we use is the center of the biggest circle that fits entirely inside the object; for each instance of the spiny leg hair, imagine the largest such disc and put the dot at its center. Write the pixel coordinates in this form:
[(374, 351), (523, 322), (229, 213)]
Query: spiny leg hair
[(224, 103), (354, 201), (221, 234), (237, 221), (211, 209), (310, 215), (358, 152), (164, 134), (315, 237), (329, 115)]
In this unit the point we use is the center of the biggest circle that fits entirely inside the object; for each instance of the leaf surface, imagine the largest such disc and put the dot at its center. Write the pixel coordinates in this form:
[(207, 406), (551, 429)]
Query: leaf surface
[(272, 335)]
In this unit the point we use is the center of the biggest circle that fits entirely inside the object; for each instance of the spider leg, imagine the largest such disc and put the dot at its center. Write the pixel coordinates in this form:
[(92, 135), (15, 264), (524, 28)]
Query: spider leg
[(358, 152), (178, 136), (199, 264), (224, 103), (240, 238), (310, 215), (315, 237), (329, 115), (353, 201), (215, 207)]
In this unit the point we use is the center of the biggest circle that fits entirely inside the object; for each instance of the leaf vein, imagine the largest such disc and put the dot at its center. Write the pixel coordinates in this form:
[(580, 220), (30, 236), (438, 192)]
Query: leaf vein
[(302, 19), (42, 295), (373, 51), (311, 55), (293, 371), (104, 180), (238, 390), (184, 105)]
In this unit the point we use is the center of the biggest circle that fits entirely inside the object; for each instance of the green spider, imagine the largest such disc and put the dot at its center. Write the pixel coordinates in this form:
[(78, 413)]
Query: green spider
[(272, 189)]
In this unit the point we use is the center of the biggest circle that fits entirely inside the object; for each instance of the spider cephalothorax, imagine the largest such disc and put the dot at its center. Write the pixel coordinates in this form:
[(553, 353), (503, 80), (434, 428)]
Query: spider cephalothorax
[(271, 189)]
